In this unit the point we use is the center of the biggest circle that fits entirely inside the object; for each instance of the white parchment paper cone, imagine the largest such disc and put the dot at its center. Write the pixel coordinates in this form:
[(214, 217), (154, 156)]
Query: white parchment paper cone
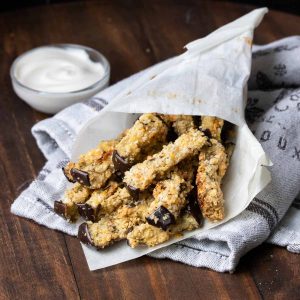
[(210, 79)]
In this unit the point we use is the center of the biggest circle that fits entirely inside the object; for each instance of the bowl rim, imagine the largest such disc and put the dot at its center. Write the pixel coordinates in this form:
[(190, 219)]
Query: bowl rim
[(104, 62)]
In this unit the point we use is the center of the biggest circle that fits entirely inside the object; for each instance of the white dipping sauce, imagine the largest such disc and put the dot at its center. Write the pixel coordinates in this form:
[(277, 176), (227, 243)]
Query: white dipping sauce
[(50, 78), (58, 70)]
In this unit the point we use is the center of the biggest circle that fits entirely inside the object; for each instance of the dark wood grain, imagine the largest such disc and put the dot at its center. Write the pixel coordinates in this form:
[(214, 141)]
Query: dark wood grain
[(32, 260), (37, 262)]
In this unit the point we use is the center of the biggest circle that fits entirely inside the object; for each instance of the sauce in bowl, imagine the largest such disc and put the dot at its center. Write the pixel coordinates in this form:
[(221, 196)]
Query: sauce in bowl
[(50, 78), (57, 70)]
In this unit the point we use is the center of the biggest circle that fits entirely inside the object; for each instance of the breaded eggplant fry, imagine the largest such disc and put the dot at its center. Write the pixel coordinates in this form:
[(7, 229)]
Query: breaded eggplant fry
[(118, 198), (141, 175), (67, 207), (113, 227), (67, 171), (181, 123), (212, 167), (148, 131), (94, 168), (212, 126), (94, 206), (146, 234), (170, 195)]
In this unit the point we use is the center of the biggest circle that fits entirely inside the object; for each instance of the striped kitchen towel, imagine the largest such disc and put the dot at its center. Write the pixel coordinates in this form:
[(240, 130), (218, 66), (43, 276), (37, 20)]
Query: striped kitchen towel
[(273, 114)]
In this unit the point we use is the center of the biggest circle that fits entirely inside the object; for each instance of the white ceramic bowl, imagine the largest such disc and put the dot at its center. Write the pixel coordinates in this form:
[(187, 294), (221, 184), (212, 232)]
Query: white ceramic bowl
[(52, 102)]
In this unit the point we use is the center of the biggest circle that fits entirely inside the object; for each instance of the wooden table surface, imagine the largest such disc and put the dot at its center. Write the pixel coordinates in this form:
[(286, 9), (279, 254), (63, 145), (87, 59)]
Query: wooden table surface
[(36, 262)]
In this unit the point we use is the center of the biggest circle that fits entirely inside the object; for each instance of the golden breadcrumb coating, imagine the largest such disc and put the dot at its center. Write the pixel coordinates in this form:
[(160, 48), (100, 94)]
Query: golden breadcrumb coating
[(213, 164), (146, 234), (97, 163), (141, 175), (213, 125), (147, 131), (99, 196), (115, 226), (181, 123), (73, 196)]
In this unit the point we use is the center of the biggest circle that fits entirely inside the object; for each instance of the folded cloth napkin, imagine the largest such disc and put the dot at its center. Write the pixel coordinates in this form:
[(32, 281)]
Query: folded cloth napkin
[(273, 114)]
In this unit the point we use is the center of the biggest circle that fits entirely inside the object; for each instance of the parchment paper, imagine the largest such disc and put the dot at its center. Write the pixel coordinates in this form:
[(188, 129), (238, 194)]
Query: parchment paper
[(208, 79)]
